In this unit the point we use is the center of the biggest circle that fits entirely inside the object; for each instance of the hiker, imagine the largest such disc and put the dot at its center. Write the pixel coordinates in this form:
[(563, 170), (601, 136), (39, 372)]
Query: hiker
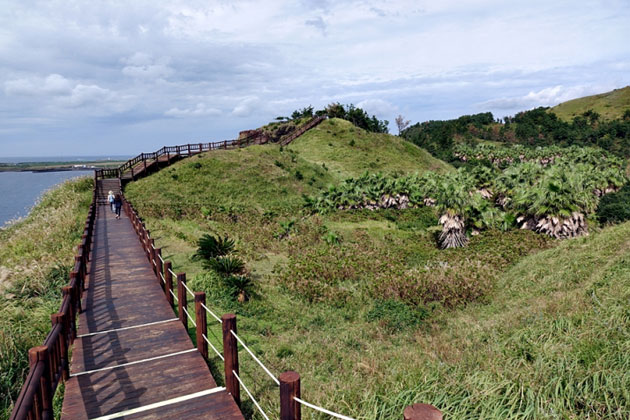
[(110, 200), (117, 205)]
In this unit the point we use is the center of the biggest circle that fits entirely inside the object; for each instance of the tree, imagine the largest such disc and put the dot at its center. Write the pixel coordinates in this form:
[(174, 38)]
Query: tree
[(401, 123)]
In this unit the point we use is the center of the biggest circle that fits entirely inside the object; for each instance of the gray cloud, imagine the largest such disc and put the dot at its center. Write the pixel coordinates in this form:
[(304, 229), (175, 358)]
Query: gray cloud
[(136, 75)]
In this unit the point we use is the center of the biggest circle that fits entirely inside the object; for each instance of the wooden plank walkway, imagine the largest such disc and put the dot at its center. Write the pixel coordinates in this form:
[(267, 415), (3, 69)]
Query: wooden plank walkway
[(132, 358)]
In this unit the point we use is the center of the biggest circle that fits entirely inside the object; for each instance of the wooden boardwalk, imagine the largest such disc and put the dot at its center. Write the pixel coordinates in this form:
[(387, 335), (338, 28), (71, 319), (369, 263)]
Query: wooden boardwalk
[(132, 358)]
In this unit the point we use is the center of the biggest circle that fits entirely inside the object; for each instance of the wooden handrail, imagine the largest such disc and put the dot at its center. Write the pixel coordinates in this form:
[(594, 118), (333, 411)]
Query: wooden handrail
[(49, 363), (194, 148)]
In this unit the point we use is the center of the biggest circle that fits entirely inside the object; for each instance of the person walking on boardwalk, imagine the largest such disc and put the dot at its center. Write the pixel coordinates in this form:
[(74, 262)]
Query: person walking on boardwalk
[(117, 205), (110, 200)]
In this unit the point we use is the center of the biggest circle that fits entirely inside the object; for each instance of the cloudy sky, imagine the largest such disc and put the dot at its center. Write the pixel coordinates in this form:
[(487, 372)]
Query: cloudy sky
[(123, 77)]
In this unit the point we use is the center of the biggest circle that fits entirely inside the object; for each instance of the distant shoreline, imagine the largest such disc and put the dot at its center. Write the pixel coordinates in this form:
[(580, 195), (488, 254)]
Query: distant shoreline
[(58, 166)]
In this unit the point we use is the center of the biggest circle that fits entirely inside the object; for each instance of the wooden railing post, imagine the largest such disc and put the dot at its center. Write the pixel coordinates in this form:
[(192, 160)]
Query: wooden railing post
[(160, 266), (181, 298), (289, 389), (36, 355), (422, 412), (68, 291), (152, 256), (60, 318), (230, 352), (202, 326), (76, 291), (168, 279)]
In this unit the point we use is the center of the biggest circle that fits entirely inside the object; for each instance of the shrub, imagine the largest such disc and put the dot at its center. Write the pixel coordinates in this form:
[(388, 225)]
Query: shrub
[(226, 266), (209, 247), (241, 286), (615, 207), (396, 315)]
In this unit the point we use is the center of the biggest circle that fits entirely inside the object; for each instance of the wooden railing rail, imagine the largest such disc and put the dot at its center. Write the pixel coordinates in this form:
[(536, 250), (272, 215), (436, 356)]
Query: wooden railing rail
[(49, 364), (171, 152), (177, 293), (194, 148)]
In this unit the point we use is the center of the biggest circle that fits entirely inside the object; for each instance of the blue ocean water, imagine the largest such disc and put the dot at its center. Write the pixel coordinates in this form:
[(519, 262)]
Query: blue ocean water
[(19, 191)]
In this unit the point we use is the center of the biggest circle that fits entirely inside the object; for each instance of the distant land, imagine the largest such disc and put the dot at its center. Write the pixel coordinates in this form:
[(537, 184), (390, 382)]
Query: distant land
[(609, 105), (62, 163)]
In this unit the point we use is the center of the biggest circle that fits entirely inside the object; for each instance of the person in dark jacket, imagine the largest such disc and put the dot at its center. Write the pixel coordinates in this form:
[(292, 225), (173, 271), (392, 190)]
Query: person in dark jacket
[(117, 205)]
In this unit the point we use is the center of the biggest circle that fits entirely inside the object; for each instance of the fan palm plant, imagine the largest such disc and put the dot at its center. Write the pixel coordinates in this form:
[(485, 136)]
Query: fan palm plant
[(209, 247), (453, 200), (227, 265), (558, 202)]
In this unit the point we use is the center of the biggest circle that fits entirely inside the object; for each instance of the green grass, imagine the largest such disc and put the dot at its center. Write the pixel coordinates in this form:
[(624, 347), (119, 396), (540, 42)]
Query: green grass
[(610, 105), (348, 151), (36, 256), (374, 317)]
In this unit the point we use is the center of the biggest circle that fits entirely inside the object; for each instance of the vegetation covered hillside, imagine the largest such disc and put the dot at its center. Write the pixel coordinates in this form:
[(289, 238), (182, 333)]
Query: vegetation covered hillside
[(347, 150), (36, 256), (372, 314), (362, 302), (610, 105)]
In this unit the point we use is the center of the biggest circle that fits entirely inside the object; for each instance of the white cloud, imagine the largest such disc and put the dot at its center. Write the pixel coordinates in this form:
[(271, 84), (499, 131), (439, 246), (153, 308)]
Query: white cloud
[(88, 94), (199, 110), (378, 107), (142, 65), (246, 107), (147, 66), (548, 96), (53, 85)]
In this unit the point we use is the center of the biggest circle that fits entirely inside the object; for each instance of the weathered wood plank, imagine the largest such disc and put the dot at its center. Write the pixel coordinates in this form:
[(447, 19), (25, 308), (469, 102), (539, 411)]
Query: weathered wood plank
[(123, 292)]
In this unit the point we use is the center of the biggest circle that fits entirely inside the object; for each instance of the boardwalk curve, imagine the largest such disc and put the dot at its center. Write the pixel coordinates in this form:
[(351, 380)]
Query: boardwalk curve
[(132, 357)]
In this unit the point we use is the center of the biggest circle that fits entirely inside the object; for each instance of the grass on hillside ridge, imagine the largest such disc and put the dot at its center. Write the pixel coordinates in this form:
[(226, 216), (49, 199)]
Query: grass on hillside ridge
[(36, 255), (374, 317), (610, 105), (349, 151)]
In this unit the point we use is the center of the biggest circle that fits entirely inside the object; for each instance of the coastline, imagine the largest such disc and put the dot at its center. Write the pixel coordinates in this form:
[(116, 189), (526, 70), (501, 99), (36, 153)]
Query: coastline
[(58, 166)]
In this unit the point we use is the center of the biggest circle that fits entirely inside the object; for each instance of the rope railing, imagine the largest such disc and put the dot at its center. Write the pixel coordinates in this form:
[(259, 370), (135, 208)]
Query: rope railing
[(322, 410), (189, 317), (212, 313), (251, 397), (213, 348), (288, 382), (255, 358), (188, 290)]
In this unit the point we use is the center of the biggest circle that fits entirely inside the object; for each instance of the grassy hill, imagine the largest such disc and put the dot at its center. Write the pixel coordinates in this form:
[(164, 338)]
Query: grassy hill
[(610, 105), (372, 315), (349, 151), (36, 256)]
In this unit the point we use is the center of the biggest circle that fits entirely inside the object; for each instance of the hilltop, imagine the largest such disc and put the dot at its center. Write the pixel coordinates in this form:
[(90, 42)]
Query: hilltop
[(610, 105), (349, 151)]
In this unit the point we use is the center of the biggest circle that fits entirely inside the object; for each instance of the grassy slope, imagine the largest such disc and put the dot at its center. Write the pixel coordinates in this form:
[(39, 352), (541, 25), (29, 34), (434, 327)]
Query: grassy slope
[(36, 255), (330, 143), (609, 105), (546, 339)]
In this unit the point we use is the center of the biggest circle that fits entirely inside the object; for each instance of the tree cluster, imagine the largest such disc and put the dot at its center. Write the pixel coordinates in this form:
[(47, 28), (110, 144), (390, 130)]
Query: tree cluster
[(356, 116)]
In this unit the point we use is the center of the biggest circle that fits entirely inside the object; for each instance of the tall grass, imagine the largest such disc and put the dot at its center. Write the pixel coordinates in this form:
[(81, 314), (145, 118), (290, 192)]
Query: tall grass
[(36, 255)]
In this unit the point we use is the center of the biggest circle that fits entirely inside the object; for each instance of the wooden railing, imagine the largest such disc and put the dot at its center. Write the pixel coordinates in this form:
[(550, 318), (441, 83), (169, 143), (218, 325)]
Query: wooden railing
[(171, 152), (301, 130), (49, 364), (174, 152)]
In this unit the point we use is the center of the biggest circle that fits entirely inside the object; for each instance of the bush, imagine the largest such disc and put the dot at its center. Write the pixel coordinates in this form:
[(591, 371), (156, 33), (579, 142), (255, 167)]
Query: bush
[(615, 207), (396, 315), (209, 247), (227, 266)]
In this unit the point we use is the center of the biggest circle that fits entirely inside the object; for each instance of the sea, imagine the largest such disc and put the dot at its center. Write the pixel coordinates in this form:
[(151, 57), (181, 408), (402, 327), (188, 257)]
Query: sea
[(19, 191)]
